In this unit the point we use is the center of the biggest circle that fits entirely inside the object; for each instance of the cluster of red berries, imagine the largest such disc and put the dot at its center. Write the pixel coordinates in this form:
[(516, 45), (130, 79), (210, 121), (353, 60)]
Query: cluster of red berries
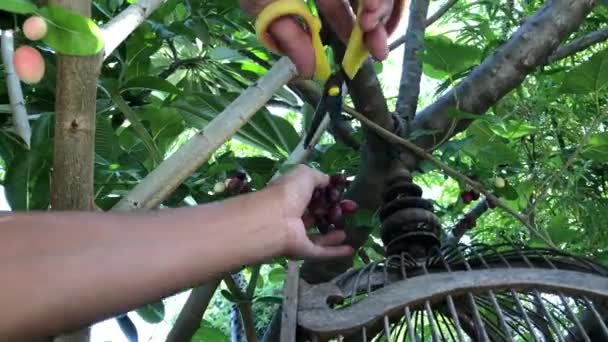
[(238, 184), (327, 206)]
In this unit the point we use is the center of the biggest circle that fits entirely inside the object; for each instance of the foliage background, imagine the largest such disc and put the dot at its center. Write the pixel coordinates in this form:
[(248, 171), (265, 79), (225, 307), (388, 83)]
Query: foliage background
[(191, 58)]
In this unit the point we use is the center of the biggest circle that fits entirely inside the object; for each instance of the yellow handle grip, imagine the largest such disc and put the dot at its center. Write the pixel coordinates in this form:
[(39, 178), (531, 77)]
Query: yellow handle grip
[(356, 51), (282, 8)]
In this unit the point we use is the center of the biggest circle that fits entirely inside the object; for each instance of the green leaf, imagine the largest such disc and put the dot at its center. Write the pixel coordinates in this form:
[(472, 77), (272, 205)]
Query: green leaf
[(152, 313), (228, 295), (559, 229), (223, 53), (589, 77), (106, 141), (208, 333), (597, 148), (277, 275), (27, 181), (508, 192), (443, 57), (18, 6), (150, 82), (69, 33)]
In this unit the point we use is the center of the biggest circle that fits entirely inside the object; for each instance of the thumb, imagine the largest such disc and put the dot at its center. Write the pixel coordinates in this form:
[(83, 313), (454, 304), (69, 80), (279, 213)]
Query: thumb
[(291, 38)]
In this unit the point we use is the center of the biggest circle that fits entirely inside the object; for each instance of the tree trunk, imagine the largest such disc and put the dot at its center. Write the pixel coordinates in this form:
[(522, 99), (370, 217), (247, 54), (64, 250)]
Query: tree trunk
[(74, 142)]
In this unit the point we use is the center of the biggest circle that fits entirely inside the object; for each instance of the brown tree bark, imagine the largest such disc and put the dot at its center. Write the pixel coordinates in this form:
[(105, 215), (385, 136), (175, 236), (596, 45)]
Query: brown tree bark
[(74, 142)]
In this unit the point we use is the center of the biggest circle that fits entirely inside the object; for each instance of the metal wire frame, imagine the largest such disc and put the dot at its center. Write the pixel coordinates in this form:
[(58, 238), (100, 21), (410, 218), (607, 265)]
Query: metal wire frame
[(491, 314)]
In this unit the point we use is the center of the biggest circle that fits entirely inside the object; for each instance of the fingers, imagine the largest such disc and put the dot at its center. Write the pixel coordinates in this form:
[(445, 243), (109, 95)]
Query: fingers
[(339, 15), (291, 38), (375, 13), (329, 246), (377, 43)]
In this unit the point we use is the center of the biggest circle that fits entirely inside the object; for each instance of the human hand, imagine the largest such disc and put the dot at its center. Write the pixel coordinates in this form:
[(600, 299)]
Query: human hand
[(378, 20), (293, 192)]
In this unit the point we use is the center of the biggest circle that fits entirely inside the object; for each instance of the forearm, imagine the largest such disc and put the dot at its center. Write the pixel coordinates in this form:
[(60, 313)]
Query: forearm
[(63, 270)]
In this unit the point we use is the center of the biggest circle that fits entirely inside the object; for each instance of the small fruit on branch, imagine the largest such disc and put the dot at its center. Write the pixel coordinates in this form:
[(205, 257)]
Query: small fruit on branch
[(35, 28), (499, 182)]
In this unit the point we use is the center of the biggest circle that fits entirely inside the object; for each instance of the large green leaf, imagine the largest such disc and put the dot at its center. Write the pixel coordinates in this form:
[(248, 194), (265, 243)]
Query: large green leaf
[(589, 77), (152, 313), (443, 57), (208, 333), (597, 148), (106, 141), (17, 6), (27, 181), (70, 33), (165, 124), (266, 131)]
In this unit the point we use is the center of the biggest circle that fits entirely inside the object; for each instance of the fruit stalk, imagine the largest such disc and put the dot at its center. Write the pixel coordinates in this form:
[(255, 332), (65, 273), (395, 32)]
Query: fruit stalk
[(15, 93)]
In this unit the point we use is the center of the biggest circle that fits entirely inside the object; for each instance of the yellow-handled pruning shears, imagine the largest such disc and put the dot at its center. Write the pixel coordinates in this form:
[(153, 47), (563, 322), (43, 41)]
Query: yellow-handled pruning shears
[(354, 56), (356, 51)]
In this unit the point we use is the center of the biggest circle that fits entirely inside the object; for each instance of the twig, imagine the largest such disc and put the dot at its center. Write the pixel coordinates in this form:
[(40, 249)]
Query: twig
[(118, 29), (411, 71), (15, 93), (138, 127), (244, 305), (467, 222), (552, 179), (432, 19), (579, 44), (448, 170)]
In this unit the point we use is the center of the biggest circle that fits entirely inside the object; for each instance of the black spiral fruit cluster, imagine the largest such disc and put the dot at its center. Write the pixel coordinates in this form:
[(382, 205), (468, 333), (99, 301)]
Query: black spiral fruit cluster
[(409, 224)]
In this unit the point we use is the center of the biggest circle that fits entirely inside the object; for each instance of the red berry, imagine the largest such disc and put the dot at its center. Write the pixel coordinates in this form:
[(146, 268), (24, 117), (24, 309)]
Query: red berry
[(466, 197), (235, 185), (335, 214), (333, 195), (491, 204), (337, 180), (475, 195), (349, 206)]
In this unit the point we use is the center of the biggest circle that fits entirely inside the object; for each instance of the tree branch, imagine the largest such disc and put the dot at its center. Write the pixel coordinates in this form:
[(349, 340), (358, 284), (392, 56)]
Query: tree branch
[(411, 72), (421, 153), (15, 93), (244, 307), (163, 180), (530, 47), (579, 44), (120, 27), (189, 319), (431, 20)]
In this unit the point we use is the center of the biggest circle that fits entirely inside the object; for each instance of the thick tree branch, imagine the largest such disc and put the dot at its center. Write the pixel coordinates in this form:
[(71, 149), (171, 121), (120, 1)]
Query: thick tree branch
[(189, 319), (422, 154), (120, 27), (579, 44), (411, 72), (15, 93), (163, 180), (530, 47), (432, 19)]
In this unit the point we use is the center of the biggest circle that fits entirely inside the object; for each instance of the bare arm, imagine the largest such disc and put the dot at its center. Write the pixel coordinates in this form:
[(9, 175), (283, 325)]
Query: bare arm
[(60, 271)]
